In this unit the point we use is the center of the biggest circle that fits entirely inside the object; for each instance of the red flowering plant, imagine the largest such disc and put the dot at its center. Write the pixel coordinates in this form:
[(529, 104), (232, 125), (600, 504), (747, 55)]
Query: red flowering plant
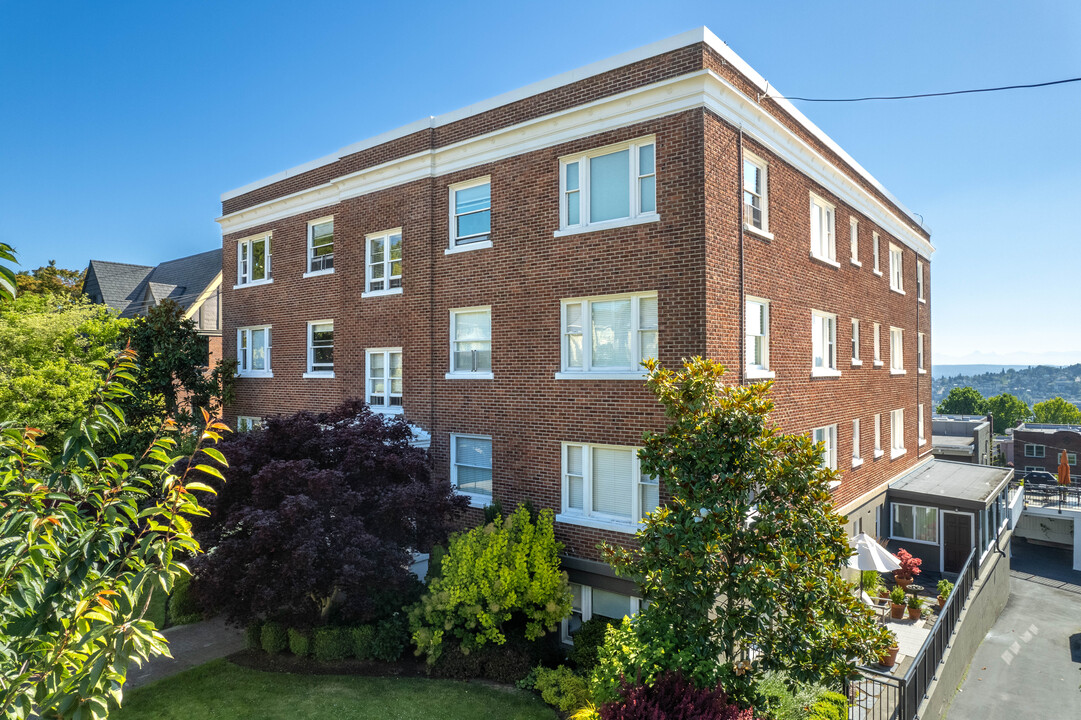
[(910, 567)]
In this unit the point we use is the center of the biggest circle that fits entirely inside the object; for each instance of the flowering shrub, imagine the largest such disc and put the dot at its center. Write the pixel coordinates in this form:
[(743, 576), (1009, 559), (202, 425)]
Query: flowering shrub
[(910, 566), (673, 697)]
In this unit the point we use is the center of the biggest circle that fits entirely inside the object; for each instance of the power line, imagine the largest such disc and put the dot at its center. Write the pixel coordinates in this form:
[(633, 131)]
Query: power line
[(936, 94)]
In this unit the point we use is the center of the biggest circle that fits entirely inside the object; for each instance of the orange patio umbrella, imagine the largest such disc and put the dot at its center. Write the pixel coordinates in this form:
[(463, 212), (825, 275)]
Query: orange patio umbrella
[(1063, 470)]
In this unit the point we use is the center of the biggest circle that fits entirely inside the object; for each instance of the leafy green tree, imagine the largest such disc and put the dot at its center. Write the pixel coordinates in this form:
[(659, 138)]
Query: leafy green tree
[(1057, 411), (963, 401), (7, 275), (48, 347), (84, 539), (51, 280), (1008, 411), (748, 552)]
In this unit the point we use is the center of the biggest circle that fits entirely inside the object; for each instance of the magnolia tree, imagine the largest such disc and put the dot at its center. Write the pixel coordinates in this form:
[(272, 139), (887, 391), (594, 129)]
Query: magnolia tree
[(742, 566), (84, 540)]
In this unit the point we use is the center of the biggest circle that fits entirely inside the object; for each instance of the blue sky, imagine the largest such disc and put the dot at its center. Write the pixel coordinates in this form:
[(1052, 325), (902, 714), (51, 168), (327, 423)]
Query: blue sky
[(123, 122)]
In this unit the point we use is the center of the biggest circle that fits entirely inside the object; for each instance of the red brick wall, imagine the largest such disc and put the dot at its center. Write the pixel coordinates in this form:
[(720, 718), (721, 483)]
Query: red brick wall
[(1054, 443)]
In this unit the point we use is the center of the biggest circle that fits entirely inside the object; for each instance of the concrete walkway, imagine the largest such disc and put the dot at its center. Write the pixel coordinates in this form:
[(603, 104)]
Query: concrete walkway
[(190, 645), (1028, 665)]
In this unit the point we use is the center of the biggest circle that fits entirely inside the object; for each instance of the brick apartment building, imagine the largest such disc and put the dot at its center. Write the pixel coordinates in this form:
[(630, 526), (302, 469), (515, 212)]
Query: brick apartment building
[(1039, 446), (496, 274)]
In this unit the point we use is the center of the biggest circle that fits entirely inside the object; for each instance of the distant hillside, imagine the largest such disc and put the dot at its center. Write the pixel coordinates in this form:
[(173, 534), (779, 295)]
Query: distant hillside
[(951, 370), (1031, 384)]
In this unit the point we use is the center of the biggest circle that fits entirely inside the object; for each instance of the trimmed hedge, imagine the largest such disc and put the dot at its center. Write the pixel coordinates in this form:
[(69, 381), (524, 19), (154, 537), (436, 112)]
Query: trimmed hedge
[(299, 642), (362, 641), (587, 641), (390, 639), (253, 636), (274, 638), (330, 644)]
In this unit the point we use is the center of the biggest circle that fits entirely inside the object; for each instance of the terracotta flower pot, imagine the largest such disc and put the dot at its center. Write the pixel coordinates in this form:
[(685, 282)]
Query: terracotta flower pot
[(941, 601), (914, 613), (883, 592), (897, 611), (889, 658), (903, 581)]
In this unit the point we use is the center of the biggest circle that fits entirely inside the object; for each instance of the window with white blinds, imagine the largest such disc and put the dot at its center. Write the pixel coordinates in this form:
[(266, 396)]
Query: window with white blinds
[(609, 334), (605, 482), (471, 465), (471, 342), (589, 602)]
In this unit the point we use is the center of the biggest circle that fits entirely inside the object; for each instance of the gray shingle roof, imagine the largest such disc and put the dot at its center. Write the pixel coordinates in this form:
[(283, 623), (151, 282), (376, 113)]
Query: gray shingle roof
[(131, 288)]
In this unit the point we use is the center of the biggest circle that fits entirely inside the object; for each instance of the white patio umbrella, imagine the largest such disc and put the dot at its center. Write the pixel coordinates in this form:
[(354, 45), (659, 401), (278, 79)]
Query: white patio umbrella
[(871, 556)]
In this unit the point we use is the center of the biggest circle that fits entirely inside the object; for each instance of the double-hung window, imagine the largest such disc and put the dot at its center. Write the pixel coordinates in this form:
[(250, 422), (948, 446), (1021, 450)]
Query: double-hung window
[(878, 345), (471, 214), (823, 245), (827, 436), (590, 602), (919, 282), (471, 467), (384, 262), (320, 349), (854, 239), (897, 433), (607, 187), (824, 343), (915, 522), (921, 439), (384, 378), (897, 353), (603, 485), (757, 350), (857, 458), (856, 343), (471, 343), (1071, 459), (253, 260), (875, 254), (755, 193), (321, 246), (896, 269), (608, 336), (878, 435), (253, 351), (919, 354), (247, 423), (1037, 451)]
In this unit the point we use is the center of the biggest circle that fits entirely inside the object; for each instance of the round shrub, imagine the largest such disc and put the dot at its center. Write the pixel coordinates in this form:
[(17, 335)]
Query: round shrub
[(273, 638), (362, 642), (253, 636), (391, 637), (182, 607), (829, 706), (673, 697), (454, 664), (330, 644), (562, 688), (586, 642), (299, 642)]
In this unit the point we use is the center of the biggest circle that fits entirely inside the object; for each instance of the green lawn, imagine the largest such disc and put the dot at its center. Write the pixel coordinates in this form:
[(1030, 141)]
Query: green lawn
[(220, 689)]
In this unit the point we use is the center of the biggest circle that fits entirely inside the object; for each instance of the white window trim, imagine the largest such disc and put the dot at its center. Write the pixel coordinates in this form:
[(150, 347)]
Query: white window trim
[(763, 169), (386, 235), (921, 291), (268, 236), (763, 373), (830, 444), (854, 241), (856, 339), (586, 517), (386, 408), (897, 451), (308, 272), (825, 371), (587, 610), (1035, 468), (878, 451), (1033, 447), (857, 451), (831, 257), (476, 500), (453, 374), (566, 373), (897, 351), (897, 275), (938, 523), (877, 360), (315, 374), (453, 246), (876, 252), (636, 216), (920, 367), (245, 423), (268, 373), (1070, 462), (920, 426)]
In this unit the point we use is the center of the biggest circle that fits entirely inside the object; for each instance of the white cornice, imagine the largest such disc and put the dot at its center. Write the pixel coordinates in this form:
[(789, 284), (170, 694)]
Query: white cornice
[(700, 89)]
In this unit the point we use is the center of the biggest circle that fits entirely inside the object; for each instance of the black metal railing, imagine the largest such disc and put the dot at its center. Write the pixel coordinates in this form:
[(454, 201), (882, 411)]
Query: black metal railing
[(1053, 496), (878, 696)]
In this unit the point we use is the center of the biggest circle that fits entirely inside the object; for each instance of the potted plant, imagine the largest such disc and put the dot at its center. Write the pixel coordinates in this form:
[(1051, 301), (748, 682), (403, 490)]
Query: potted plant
[(910, 568), (945, 587), (889, 657), (897, 603), (915, 606), (871, 582)]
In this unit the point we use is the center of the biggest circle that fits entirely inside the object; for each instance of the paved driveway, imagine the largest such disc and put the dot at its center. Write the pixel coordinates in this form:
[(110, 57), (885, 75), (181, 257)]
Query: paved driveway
[(190, 645), (1029, 665)]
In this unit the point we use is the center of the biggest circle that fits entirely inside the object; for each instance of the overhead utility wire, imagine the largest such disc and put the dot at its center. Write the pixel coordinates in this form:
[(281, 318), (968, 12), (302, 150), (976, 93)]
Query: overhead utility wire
[(936, 94)]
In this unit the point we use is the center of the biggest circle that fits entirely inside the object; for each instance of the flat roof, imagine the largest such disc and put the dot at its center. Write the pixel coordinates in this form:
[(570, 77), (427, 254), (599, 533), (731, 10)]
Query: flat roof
[(942, 482)]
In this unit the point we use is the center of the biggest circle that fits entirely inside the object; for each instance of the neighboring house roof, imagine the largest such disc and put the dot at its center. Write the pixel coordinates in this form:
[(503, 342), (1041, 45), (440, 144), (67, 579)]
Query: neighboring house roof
[(133, 289)]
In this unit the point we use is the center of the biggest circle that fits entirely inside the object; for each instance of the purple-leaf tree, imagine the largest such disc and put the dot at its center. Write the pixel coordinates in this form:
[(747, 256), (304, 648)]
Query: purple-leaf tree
[(319, 518)]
